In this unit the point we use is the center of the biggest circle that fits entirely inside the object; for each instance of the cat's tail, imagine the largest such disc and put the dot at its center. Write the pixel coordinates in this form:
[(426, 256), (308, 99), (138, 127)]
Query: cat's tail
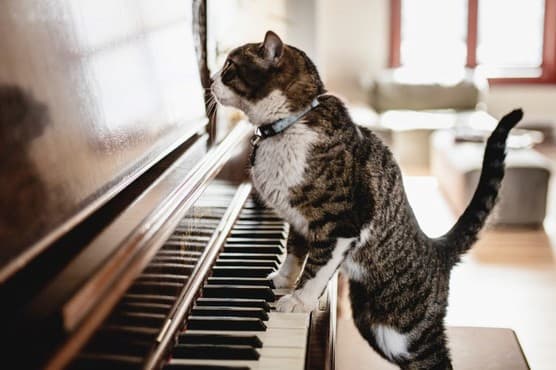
[(465, 232)]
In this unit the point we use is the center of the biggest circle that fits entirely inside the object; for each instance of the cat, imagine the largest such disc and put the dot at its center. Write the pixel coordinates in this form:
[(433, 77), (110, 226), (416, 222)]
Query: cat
[(342, 192)]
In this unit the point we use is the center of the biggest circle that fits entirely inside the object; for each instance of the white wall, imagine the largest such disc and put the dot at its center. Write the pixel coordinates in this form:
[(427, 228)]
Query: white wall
[(352, 42), (301, 26), (537, 101), (235, 22)]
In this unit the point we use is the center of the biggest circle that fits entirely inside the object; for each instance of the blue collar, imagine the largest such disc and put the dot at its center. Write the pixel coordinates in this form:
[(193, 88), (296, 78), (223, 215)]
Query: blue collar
[(274, 128)]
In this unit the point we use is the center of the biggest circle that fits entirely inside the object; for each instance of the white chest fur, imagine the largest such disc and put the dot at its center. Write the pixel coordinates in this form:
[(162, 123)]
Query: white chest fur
[(280, 165)]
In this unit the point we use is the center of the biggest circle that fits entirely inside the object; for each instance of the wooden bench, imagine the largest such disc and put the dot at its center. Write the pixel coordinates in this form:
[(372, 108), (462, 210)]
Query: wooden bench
[(472, 348)]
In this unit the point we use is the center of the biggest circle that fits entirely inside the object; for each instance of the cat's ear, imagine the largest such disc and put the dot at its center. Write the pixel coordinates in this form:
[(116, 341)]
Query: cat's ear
[(272, 48)]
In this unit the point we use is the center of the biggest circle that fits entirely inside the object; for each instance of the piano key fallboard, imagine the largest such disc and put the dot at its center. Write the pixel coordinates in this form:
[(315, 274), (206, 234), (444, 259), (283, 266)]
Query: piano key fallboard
[(231, 323)]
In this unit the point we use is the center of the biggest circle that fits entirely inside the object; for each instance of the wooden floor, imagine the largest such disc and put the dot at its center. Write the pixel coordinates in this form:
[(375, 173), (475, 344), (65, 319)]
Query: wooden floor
[(507, 280)]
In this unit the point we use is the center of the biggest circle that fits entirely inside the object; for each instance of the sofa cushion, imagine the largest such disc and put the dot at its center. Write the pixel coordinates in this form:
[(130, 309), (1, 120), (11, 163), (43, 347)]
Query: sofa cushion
[(523, 194), (399, 88)]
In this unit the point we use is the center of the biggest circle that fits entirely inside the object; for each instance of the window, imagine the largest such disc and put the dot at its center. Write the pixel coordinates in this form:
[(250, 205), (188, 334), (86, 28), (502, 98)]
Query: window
[(510, 41)]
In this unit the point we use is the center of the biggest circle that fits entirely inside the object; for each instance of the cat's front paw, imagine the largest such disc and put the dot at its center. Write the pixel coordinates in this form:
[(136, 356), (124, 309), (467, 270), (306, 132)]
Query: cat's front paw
[(293, 303), (280, 281)]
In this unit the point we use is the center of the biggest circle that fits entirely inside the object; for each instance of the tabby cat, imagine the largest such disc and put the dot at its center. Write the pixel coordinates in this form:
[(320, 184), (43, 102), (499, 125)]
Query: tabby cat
[(341, 190)]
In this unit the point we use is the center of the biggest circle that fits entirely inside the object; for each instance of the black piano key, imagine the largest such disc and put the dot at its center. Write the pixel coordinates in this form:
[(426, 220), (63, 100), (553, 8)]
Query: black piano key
[(257, 211), (148, 298), (169, 268), (137, 318), (239, 281), (233, 302), (250, 248), (255, 217), (178, 253), (194, 232), (126, 332), (121, 345), (95, 361), (271, 220), (261, 212), (146, 307), (251, 204), (162, 278), (180, 245), (255, 241), (183, 260), (224, 323), (206, 229), (258, 313), (239, 291), (197, 338), (151, 287), (197, 230), (249, 256), (234, 271), (261, 222), (203, 367), (215, 352), (259, 227), (194, 224), (185, 242), (245, 263), (257, 234)]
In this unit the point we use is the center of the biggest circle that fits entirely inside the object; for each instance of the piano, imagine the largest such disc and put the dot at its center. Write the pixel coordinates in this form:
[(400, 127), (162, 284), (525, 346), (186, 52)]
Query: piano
[(122, 243)]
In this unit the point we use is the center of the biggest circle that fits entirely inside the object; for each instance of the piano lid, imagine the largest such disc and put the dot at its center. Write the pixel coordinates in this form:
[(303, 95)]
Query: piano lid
[(92, 93)]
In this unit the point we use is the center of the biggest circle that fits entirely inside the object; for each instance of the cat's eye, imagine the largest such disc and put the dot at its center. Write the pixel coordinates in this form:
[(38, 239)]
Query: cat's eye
[(228, 72), (227, 65)]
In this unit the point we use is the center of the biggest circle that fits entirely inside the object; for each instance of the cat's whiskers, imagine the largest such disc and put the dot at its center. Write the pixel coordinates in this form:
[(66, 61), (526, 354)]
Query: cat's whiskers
[(212, 105)]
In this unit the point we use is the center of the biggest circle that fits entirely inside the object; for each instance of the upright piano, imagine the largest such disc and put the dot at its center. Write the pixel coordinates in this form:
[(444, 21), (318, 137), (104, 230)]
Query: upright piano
[(122, 246)]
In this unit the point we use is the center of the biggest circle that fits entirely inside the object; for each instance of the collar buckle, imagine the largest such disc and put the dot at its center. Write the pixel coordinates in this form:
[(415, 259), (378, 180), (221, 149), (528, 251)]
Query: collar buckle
[(271, 129), (256, 138)]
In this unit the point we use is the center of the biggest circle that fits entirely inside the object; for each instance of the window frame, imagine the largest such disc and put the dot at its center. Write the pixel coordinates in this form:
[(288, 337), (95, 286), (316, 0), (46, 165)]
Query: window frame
[(548, 66)]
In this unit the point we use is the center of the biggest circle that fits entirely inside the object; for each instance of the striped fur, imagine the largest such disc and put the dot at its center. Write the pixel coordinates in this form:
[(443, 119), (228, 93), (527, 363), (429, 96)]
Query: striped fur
[(342, 192), (464, 233)]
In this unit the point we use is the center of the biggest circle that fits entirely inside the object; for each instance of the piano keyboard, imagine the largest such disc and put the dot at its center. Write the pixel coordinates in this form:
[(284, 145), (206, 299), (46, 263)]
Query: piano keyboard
[(233, 324)]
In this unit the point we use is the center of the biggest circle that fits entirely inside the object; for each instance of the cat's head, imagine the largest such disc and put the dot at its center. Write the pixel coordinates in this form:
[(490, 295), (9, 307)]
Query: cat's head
[(267, 81)]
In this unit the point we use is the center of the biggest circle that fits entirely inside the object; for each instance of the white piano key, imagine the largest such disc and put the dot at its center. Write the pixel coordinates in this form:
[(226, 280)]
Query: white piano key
[(282, 352), (281, 320), (264, 363), (287, 338)]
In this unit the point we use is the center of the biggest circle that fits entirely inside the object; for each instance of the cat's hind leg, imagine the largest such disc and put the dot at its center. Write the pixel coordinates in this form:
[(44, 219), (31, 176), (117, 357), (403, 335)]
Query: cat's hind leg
[(422, 347), (429, 349), (397, 347), (287, 274)]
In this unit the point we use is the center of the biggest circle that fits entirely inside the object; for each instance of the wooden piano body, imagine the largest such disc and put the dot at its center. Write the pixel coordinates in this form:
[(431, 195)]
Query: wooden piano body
[(109, 203)]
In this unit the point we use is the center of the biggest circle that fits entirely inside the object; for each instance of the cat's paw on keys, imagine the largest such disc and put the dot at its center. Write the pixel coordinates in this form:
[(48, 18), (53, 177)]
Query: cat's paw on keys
[(292, 303), (280, 281)]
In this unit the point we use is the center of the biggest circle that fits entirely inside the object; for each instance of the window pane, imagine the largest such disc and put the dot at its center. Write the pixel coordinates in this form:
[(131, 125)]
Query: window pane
[(434, 33), (510, 33)]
